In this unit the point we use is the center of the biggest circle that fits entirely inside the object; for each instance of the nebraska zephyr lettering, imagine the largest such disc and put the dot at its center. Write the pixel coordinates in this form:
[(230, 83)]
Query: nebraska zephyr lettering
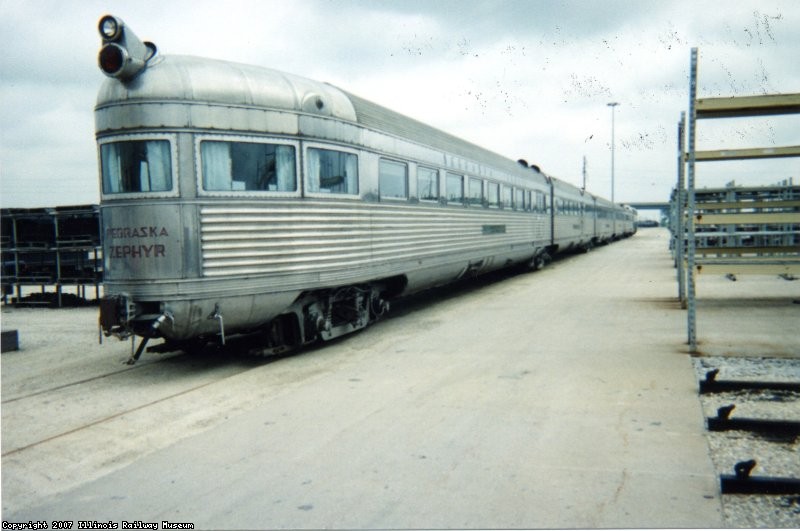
[(137, 251), (136, 232)]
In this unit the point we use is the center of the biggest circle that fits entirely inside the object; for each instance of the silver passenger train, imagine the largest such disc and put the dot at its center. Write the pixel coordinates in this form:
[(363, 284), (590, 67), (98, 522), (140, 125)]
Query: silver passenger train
[(239, 199)]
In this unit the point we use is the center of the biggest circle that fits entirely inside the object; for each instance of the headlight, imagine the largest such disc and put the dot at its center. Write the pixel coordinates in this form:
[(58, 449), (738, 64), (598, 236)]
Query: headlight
[(110, 28)]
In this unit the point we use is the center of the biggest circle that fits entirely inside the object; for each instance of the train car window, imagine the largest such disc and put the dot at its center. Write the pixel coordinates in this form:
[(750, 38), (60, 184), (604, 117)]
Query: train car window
[(247, 166), (334, 172), (519, 201), (393, 179), (493, 194), (505, 196), (541, 205), (454, 188), (475, 192), (427, 184), (136, 166)]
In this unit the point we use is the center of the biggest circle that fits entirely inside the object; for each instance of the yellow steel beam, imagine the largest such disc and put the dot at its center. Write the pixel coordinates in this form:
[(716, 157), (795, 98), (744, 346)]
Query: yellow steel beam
[(756, 190), (747, 204), (748, 218), (750, 250), (734, 106), (747, 153), (745, 267)]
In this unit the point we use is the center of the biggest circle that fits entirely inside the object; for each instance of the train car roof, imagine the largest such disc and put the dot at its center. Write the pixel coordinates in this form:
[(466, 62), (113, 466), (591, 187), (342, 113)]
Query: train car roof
[(383, 119), (202, 80), (604, 202)]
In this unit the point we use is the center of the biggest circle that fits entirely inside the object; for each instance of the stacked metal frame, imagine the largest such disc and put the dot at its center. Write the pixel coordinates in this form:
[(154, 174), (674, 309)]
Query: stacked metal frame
[(51, 247), (732, 230)]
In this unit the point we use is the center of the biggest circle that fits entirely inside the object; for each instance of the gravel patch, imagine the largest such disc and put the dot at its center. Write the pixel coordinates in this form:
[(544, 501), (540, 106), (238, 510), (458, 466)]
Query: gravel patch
[(775, 457)]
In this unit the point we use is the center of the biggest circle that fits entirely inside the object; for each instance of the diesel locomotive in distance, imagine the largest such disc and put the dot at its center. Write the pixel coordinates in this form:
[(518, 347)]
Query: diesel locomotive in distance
[(238, 199)]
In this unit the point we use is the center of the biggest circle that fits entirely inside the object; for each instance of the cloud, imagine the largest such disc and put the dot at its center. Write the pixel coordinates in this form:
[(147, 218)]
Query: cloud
[(524, 78)]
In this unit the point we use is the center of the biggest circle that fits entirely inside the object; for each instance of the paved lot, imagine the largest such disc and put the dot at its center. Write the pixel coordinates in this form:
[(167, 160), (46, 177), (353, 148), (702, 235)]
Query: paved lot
[(561, 398)]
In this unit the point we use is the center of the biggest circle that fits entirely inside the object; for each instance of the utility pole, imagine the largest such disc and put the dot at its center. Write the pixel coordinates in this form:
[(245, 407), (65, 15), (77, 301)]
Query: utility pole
[(584, 173), (612, 105)]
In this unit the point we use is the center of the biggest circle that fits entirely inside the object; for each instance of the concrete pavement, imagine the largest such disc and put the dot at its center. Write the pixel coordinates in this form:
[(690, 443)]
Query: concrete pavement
[(558, 399)]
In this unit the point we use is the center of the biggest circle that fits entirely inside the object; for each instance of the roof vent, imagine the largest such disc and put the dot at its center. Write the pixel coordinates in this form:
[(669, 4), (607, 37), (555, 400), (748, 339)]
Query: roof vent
[(314, 103)]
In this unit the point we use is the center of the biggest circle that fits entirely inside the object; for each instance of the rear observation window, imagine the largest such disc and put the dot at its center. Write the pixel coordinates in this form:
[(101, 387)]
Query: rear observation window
[(132, 166)]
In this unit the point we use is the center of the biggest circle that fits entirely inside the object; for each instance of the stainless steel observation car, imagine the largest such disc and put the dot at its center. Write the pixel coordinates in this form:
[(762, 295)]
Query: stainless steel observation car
[(238, 199)]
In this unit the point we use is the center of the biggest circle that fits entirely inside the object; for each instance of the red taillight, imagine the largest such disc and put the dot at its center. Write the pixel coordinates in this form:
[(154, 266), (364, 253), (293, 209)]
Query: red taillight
[(111, 59)]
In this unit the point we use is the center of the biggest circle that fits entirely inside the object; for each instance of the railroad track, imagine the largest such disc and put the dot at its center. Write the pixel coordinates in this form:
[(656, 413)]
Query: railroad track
[(115, 415), (753, 417), (68, 384), (171, 372), (115, 393), (81, 429)]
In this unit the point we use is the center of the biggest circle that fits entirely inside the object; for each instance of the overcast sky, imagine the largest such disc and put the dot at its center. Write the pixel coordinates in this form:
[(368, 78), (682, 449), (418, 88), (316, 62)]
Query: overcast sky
[(526, 79)]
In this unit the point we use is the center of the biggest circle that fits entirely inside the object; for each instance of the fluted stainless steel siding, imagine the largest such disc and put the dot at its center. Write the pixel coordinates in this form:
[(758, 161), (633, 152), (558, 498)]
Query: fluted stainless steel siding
[(308, 236), (568, 229)]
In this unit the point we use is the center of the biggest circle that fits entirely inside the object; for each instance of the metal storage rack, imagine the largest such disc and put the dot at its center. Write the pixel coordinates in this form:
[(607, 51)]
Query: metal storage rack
[(51, 246), (748, 230), (732, 230)]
